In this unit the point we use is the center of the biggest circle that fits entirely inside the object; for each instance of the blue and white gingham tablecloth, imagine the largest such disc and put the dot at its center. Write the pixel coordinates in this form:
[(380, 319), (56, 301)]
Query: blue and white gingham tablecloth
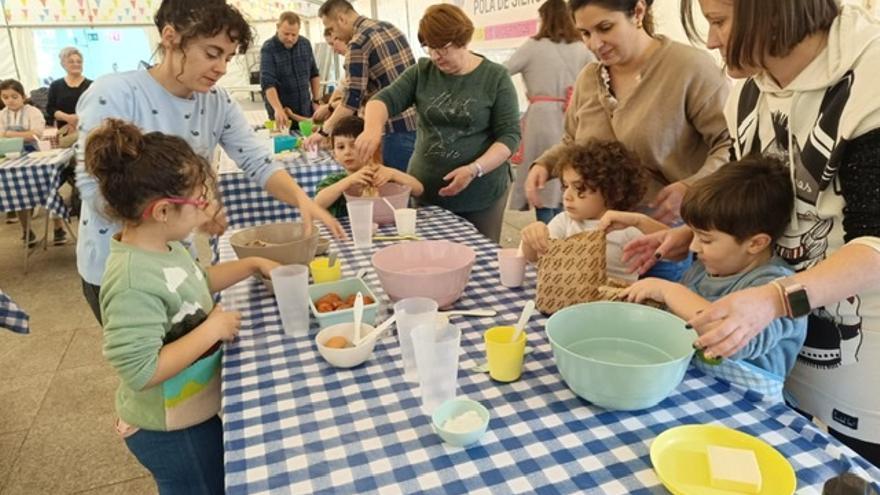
[(294, 424), (27, 182), (11, 316), (247, 204)]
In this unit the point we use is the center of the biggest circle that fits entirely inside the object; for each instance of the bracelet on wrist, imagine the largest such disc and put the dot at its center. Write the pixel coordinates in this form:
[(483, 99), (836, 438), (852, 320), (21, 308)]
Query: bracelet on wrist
[(783, 300), (479, 169)]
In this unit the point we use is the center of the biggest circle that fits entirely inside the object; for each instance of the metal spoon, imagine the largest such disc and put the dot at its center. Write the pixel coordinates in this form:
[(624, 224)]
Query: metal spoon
[(469, 312)]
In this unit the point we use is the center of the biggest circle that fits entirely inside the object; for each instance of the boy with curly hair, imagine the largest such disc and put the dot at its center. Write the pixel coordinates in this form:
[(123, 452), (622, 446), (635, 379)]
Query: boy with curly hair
[(596, 177)]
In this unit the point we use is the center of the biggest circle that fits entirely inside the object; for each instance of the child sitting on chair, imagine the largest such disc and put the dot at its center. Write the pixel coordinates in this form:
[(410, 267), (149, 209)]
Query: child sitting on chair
[(357, 173), (596, 177), (736, 215)]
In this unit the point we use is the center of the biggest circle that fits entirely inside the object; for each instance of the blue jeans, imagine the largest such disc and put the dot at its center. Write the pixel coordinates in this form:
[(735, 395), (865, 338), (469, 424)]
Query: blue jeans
[(669, 270), (397, 148), (544, 215), (188, 461)]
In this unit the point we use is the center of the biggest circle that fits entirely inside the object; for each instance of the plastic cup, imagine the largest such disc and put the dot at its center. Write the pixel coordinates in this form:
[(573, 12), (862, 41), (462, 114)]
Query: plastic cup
[(305, 127), (436, 349), (269, 124), (322, 272), (512, 267), (505, 357), (291, 283), (405, 220), (360, 214), (410, 313)]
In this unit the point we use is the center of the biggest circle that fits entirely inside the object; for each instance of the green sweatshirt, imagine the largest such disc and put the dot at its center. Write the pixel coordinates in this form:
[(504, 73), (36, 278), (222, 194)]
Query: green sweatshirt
[(459, 118), (148, 300)]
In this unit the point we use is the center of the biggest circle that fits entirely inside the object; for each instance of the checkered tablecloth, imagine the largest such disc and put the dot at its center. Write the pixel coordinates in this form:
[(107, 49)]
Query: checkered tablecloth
[(294, 424), (247, 204), (30, 181), (11, 316)]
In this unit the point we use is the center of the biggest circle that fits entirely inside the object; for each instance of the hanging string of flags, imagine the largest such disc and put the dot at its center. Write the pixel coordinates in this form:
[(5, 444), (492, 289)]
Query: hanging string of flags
[(94, 12)]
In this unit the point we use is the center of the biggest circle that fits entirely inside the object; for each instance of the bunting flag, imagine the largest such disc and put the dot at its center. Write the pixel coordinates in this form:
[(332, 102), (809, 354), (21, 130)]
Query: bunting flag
[(86, 12)]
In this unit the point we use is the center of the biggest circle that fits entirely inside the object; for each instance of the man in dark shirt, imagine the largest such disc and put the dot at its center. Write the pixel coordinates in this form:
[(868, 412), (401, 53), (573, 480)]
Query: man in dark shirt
[(288, 71)]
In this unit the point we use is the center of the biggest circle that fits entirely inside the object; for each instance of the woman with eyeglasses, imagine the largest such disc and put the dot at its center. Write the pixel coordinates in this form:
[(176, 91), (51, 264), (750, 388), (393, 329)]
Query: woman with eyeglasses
[(468, 121), (662, 99)]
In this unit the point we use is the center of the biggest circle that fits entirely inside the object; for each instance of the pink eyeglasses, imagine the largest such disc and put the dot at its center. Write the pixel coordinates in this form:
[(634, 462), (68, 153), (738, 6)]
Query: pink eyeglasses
[(200, 203)]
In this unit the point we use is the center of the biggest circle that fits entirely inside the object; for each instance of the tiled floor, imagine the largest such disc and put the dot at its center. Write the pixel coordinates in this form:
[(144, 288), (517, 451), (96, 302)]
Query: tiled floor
[(56, 391)]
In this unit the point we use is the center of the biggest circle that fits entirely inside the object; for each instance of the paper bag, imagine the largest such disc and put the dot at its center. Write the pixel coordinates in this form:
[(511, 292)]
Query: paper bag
[(571, 271)]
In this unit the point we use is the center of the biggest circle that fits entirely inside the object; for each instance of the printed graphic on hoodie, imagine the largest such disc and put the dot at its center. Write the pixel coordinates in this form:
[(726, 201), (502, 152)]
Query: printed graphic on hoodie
[(834, 336)]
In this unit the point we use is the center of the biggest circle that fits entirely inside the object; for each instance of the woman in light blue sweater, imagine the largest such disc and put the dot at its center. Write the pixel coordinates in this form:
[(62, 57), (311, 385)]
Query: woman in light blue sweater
[(178, 97)]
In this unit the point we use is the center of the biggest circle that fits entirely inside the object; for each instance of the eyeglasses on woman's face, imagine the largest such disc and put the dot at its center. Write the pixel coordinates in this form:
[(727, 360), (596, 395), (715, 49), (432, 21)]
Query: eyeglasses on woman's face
[(437, 52)]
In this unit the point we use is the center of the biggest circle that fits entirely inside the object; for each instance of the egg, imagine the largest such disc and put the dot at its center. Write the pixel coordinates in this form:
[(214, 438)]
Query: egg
[(338, 342)]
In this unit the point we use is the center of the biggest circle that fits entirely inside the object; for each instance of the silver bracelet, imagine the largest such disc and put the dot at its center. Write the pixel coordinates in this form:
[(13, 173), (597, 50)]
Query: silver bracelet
[(479, 168)]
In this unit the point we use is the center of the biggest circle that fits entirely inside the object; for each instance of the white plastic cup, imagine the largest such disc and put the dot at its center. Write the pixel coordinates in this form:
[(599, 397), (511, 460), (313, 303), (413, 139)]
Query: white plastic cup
[(437, 348), (511, 266), (405, 220), (312, 153), (410, 313), (291, 284), (360, 214)]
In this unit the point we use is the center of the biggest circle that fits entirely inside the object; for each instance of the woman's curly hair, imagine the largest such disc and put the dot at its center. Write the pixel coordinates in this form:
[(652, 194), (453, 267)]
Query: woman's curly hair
[(607, 167)]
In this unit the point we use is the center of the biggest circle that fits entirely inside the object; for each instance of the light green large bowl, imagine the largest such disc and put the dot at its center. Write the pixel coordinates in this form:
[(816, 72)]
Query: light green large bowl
[(620, 356)]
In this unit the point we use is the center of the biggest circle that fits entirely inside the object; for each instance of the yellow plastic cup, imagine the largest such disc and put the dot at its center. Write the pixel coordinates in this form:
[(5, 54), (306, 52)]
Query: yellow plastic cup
[(322, 272), (505, 357), (269, 124)]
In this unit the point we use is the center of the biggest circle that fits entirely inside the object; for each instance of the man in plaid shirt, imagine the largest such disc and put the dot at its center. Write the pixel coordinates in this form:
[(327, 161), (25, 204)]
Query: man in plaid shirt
[(378, 53), (288, 70)]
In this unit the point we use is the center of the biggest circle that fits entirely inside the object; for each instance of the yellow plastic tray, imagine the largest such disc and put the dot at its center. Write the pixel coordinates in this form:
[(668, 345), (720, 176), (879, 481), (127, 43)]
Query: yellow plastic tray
[(680, 460)]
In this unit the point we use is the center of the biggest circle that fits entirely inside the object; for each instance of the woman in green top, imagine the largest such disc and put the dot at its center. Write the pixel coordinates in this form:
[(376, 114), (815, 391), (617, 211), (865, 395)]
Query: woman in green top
[(468, 121)]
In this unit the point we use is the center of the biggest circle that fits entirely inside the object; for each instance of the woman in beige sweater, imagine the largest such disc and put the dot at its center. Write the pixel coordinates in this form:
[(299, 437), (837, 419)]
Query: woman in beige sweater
[(661, 99)]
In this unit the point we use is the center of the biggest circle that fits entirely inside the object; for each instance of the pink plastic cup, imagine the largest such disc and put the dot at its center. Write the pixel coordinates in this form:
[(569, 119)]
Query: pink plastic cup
[(512, 267)]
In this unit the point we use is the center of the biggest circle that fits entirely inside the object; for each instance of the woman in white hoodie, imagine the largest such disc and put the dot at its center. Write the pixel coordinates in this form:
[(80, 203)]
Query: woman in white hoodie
[(811, 98)]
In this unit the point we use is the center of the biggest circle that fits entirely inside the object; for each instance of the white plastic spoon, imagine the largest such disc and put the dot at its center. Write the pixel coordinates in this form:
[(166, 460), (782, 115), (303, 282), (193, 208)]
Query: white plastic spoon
[(360, 273), (358, 315), (388, 203), (331, 259), (523, 319), (377, 333)]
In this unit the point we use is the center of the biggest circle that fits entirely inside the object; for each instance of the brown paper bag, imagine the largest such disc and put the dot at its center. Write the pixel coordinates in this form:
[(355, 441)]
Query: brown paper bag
[(571, 271)]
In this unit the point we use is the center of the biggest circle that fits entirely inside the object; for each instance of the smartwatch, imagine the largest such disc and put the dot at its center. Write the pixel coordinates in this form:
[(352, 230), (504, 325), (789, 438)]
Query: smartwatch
[(797, 303)]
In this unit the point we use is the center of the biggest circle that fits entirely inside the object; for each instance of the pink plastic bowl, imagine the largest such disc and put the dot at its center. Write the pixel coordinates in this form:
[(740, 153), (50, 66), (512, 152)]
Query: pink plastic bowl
[(439, 270), (397, 194)]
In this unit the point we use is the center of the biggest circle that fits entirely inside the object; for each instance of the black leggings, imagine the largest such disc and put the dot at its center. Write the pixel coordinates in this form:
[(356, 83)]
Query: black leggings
[(870, 451), (92, 292)]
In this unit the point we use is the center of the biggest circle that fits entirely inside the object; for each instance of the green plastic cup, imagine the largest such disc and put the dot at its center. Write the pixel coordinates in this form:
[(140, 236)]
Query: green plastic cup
[(305, 127)]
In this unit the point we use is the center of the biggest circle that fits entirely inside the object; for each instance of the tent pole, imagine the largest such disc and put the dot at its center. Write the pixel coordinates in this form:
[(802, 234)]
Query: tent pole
[(9, 36)]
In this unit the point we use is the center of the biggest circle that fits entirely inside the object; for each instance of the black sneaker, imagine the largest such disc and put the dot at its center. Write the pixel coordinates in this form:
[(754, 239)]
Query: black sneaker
[(60, 237)]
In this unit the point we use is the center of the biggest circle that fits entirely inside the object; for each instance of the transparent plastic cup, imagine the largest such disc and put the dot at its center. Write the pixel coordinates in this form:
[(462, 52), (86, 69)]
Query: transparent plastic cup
[(436, 349), (410, 313), (360, 214), (291, 284), (405, 220)]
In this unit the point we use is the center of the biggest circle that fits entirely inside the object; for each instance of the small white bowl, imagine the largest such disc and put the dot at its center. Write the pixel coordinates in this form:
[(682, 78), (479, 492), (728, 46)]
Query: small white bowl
[(348, 357)]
